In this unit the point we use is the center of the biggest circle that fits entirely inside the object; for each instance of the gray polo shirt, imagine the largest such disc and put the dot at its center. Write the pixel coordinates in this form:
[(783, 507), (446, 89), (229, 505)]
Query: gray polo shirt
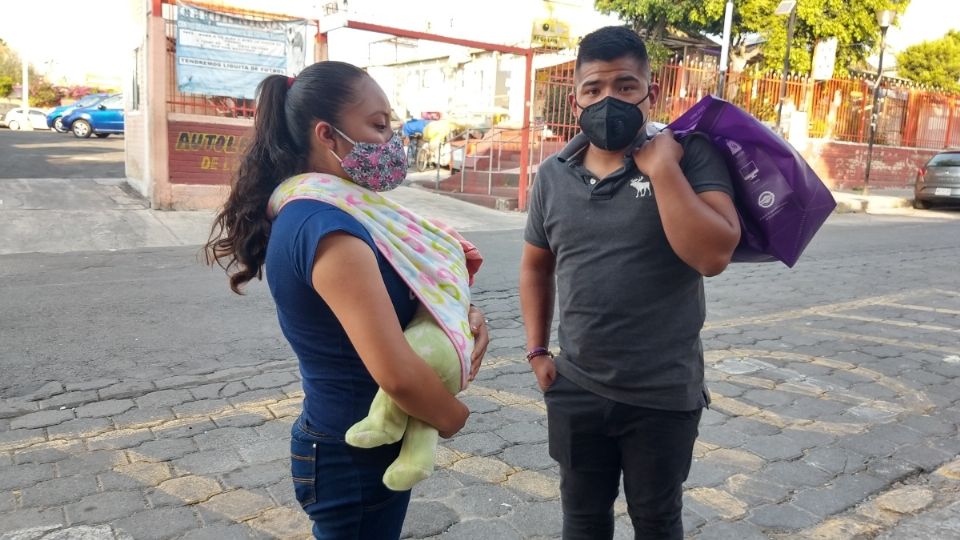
[(630, 310)]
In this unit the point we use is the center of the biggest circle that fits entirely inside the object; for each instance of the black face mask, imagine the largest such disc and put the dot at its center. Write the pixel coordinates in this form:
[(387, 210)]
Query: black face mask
[(612, 124)]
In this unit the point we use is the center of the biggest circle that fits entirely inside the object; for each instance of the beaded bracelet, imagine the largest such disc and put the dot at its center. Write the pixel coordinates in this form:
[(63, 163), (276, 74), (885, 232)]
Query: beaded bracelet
[(538, 351)]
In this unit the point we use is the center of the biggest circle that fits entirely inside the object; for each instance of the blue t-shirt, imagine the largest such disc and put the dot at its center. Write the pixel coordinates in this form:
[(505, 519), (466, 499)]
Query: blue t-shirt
[(337, 387), (414, 127)]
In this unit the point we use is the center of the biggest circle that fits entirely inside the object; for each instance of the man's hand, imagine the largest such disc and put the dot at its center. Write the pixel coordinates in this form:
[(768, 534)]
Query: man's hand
[(545, 370), (478, 325), (662, 150)]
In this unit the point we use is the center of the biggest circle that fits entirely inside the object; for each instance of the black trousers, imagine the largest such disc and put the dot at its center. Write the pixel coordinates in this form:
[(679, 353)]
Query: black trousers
[(595, 439)]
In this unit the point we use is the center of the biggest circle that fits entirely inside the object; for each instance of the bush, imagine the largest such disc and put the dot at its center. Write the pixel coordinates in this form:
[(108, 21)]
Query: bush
[(43, 94), (6, 86)]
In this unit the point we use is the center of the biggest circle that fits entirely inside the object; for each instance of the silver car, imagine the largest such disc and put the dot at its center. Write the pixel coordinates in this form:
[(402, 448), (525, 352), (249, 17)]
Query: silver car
[(938, 182)]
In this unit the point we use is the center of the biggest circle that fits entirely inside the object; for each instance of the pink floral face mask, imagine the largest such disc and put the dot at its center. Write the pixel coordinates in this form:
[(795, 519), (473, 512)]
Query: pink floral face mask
[(375, 166)]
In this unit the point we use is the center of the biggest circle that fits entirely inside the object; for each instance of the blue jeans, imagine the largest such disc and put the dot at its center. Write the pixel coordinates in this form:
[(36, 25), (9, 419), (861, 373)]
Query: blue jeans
[(341, 487), (595, 440)]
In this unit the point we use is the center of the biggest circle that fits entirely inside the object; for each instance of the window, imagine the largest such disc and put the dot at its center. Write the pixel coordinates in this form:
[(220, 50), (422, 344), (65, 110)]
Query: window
[(137, 72), (87, 101), (115, 102), (946, 159)]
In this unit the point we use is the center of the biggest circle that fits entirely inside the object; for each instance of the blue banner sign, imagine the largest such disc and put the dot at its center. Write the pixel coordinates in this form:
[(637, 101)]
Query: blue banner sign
[(225, 55)]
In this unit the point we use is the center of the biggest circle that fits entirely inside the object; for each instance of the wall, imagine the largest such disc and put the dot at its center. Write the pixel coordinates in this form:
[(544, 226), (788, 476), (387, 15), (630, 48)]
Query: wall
[(135, 90), (203, 156), (205, 150), (842, 165), (135, 140)]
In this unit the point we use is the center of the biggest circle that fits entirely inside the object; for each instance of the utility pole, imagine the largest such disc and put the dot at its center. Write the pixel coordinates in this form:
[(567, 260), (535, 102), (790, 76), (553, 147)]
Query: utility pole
[(884, 18), (25, 94), (792, 6), (725, 49)]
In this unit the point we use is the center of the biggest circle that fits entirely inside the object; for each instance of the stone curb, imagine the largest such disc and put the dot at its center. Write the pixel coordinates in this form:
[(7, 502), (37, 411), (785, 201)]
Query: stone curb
[(848, 203)]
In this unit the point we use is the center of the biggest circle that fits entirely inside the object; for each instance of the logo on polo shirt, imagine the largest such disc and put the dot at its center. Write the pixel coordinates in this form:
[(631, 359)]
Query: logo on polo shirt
[(642, 185)]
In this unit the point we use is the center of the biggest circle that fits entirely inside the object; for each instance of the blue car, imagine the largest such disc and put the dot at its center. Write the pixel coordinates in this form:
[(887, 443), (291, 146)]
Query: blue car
[(101, 119), (55, 117)]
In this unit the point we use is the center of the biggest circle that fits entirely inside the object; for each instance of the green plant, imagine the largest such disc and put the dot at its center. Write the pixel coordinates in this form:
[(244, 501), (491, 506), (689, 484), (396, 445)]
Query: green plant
[(43, 94), (6, 85)]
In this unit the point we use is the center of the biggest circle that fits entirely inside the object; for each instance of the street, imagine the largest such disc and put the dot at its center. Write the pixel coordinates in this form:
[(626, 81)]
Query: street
[(48, 154), (140, 398)]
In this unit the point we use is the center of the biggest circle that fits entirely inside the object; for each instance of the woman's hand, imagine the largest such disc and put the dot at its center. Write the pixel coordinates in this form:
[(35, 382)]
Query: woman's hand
[(478, 325)]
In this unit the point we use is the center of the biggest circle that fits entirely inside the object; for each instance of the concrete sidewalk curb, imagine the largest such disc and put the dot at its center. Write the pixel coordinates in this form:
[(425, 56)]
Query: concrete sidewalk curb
[(856, 203)]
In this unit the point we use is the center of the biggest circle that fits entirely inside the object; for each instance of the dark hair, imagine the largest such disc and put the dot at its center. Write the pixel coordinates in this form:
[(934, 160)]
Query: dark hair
[(284, 120), (612, 43)]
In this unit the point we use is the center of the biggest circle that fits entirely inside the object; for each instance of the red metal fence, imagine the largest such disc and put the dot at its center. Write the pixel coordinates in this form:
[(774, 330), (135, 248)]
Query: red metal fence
[(837, 109)]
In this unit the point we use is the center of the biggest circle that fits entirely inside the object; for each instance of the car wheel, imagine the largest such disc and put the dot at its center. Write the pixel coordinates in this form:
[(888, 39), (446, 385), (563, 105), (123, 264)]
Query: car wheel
[(58, 125), (82, 129), (102, 135), (920, 204), (14, 125)]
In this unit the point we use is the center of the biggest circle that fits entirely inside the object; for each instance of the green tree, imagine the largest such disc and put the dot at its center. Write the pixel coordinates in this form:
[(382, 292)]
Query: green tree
[(936, 63), (42, 93), (10, 63), (852, 22), (6, 86)]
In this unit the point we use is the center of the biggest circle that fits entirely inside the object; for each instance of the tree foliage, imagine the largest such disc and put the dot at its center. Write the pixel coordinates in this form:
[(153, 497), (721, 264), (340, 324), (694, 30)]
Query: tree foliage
[(6, 86), (10, 65), (42, 93), (936, 63), (852, 22)]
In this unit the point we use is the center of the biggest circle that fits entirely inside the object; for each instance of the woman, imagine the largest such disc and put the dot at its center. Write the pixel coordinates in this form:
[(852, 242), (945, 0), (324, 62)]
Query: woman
[(340, 304)]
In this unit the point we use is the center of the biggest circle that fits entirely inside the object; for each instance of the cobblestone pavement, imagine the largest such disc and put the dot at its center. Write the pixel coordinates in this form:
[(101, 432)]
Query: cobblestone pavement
[(814, 411), (835, 417)]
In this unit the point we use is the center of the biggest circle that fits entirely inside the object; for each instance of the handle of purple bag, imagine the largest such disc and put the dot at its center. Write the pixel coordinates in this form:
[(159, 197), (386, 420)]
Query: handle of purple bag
[(710, 116)]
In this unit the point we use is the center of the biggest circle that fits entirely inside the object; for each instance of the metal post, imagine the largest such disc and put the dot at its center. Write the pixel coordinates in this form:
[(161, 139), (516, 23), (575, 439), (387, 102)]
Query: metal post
[(786, 63), (25, 94), (874, 117), (439, 155), (490, 164), (525, 134), (725, 48)]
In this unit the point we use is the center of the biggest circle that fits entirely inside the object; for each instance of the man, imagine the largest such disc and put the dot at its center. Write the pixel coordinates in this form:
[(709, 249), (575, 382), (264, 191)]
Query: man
[(412, 137), (624, 229)]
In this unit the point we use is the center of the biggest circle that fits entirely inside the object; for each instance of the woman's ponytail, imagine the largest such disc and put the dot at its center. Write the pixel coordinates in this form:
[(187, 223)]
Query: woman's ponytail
[(239, 235)]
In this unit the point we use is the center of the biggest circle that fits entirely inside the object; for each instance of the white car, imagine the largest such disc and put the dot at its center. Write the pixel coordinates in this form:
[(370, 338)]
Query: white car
[(15, 119)]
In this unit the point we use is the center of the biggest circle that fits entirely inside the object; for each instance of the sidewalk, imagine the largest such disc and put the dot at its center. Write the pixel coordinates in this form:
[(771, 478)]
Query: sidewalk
[(62, 215)]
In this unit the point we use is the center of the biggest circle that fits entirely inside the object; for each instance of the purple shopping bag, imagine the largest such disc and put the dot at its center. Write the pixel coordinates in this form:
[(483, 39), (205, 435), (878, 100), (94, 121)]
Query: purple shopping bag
[(781, 201)]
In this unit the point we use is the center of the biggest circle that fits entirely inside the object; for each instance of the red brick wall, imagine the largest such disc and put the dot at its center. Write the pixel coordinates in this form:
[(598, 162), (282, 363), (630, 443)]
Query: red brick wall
[(842, 165), (205, 153)]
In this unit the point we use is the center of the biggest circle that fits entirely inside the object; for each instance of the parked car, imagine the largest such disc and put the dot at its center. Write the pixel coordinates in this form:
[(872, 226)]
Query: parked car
[(938, 181), (102, 119), (55, 117), (15, 119)]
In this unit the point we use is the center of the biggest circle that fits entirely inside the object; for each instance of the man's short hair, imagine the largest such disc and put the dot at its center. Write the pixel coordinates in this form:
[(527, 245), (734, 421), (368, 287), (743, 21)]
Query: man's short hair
[(612, 43)]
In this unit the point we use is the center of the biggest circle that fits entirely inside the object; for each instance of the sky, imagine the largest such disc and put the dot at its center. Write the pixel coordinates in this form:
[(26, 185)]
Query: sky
[(72, 39), (925, 20)]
